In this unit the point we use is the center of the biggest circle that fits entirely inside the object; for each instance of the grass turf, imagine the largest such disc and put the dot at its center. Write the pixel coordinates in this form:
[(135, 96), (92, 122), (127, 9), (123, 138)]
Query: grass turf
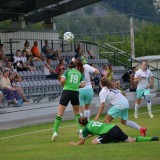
[(15, 144)]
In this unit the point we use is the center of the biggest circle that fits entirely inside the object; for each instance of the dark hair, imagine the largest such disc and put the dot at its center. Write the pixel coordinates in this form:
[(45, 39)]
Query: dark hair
[(26, 43), (61, 60), (79, 65), (72, 65), (104, 82), (83, 120)]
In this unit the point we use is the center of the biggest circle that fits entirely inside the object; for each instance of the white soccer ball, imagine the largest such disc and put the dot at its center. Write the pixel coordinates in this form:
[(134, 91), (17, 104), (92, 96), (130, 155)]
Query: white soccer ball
[(68, 36)]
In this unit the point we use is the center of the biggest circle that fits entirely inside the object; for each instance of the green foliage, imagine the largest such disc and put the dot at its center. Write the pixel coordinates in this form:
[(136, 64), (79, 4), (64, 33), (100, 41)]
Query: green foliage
[(37, 145)]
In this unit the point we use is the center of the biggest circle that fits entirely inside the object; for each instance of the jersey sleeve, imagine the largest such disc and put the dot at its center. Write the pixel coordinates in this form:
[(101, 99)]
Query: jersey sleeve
[(85, 133), (136, 75), (82, 78), (90, 69), (150, 74), (102, 96), (65, 74)]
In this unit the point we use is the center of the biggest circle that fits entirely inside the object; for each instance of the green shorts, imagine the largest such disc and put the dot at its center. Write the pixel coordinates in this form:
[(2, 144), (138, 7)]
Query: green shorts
[(142, 92), (85, 96), (121, 113)]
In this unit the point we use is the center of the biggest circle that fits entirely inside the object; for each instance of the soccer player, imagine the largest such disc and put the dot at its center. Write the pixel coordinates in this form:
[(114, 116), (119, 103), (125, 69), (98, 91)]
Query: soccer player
[(106, 133), (72, 79), (86, 93), (145, 80), (119, 105)]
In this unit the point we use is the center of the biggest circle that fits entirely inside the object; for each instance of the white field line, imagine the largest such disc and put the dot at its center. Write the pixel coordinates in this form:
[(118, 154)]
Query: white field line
[(34, 132)]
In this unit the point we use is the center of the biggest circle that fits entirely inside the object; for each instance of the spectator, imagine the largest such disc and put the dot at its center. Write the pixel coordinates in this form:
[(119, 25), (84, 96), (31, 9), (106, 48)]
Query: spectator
[(2, 56), (90, 55), (61, 67), (118, 86), (80, 54), (1, 67), (49, 52), (132, 84), (36, 53), (48, 71), (1, 96), (110, 72), (104, 71), (28, 51), (25, 64), (14, 74), (17, 61), (12, 95)]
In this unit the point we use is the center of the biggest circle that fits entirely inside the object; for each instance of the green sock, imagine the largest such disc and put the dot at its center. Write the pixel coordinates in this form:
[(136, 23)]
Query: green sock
[(57, 123), (143, 139), (77, 116)]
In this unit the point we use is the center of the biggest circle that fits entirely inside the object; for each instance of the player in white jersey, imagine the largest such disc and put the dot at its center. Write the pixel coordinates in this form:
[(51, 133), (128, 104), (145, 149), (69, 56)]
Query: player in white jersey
[(119, 105), (86, 93), (145, 80)]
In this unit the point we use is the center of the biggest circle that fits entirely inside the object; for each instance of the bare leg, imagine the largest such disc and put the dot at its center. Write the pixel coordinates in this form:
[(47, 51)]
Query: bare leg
[(108, 118)]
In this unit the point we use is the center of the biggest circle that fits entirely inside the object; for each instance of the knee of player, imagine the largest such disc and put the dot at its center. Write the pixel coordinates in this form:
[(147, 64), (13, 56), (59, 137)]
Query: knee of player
[(123, 122), (148, 99)]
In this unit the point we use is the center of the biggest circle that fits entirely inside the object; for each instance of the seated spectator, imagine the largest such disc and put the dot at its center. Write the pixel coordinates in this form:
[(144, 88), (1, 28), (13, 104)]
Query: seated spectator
[(132, 84), (36, 53), (80, 54), (1, 67), (25, 65), (15, 77), (104, 71), (48, 71), (60, 67), (50, 53), (90, 55), (17, 61), (28, 51), (2, 56), (12, 95), (110, 72), (118, 86), (1, 96)]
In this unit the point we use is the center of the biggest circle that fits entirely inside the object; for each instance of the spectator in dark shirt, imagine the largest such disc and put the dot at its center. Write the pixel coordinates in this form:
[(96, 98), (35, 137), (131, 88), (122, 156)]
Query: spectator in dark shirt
[(49, 52)]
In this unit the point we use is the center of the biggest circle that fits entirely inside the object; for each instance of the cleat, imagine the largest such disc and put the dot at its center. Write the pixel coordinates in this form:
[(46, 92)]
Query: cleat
[(135, 115), (143, 131), (54, 136), (154, 139), (80, 134), (151, 115)]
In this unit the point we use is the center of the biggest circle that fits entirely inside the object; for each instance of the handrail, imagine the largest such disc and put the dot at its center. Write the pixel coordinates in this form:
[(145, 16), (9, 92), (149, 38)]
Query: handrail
[(132, 59)]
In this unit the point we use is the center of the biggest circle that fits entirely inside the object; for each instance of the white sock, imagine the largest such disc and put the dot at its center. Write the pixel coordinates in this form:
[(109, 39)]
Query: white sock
[(81, 114), (87, 114), (133, 125), (136, 108), (149, 106)]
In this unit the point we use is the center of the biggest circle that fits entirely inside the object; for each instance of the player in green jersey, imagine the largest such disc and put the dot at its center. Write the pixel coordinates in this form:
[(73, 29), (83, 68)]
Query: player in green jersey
[(107, 133), (72, 79)]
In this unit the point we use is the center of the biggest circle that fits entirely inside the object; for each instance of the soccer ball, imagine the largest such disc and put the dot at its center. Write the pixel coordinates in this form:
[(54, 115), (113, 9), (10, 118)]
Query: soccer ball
[(68, 36)]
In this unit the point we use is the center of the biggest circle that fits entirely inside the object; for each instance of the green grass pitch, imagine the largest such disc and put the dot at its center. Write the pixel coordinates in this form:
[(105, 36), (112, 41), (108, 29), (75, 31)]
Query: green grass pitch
[(34, 142)]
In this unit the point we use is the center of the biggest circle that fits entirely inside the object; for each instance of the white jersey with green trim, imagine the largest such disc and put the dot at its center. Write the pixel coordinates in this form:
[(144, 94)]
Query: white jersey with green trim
[(145, 76), (113, 97)]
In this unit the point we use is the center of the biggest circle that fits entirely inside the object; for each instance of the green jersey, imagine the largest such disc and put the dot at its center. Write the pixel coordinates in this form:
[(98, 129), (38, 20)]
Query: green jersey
[(73, 79), (96, 128)]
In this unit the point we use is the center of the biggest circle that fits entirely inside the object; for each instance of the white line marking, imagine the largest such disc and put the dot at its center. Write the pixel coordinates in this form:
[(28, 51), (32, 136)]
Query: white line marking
[(34, 132)]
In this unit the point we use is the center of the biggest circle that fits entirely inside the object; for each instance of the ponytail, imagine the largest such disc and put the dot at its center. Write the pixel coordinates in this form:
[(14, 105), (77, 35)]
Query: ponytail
[(79, 65), (106, 83)]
